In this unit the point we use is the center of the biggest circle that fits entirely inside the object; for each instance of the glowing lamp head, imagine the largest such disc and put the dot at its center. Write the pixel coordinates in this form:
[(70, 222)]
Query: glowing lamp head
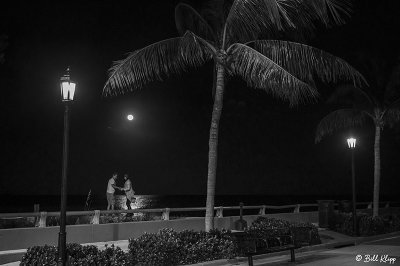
[(130, 117), (351, 142), (67, 87)]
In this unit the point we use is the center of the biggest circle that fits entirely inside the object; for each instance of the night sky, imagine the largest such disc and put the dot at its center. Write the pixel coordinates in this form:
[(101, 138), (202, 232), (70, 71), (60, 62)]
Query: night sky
[(264, 147)]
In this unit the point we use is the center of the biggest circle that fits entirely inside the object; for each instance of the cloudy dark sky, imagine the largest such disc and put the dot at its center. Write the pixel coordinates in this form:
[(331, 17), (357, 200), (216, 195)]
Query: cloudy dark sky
[(265, 147)]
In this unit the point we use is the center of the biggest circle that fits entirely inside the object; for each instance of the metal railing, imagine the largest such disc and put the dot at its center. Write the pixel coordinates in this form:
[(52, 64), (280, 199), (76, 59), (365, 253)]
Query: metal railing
[(41, 217)]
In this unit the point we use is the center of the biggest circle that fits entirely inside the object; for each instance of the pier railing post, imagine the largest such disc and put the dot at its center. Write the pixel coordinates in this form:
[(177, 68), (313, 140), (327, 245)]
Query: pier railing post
[(43, 218), (165, 214), (220, 212), (262, 210), (96, 217)]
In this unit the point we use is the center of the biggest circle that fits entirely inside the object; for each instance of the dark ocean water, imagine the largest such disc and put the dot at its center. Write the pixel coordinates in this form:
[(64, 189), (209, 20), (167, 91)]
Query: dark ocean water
[(77, 202)]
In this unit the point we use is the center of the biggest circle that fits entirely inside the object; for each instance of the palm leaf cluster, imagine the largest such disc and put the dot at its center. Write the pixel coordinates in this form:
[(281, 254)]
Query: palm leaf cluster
[(155, 62), (222, 26)]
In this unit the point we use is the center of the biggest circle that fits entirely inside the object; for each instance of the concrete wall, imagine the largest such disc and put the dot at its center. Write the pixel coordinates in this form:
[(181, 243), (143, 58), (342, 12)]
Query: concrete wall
[(20, 238)]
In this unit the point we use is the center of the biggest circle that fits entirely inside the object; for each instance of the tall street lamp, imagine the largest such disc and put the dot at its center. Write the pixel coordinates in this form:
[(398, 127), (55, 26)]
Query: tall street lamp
[(351, 142), (67, 96)]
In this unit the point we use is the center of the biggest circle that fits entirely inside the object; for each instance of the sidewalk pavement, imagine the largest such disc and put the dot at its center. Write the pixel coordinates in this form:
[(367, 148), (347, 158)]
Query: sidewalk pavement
[(336, 249), (367, 253)]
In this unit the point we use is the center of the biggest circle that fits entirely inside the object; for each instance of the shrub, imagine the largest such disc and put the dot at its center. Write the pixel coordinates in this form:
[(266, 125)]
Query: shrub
[(367, 225), (268, 227), (264, 227), (168, 247), (344, 222), (391, 222), (17, 222), (217, 244), (109, 256), (371, 225), (77, 251), (46, 255), (396, 223), (303, 231), (122, 218), (77, 255), (156, 249), (269, 223)]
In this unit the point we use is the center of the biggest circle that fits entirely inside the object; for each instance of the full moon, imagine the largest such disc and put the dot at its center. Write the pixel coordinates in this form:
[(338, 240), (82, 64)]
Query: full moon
[(130, 117)]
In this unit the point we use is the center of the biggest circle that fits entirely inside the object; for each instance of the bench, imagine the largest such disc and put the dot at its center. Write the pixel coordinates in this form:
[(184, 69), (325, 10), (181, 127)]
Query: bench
[(273, 241), (303, 236)]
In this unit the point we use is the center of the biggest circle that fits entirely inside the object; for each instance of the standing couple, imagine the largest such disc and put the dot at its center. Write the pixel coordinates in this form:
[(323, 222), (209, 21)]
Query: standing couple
[(111, 187)]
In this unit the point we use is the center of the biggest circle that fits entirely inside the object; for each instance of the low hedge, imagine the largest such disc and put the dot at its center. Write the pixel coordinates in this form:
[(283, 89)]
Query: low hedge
[(272, 227), (366, 224), (167, 247), (77, 255)]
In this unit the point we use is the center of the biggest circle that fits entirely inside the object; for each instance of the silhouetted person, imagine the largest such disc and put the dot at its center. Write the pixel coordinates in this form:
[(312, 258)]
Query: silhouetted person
[(128, 192), (111, 190)]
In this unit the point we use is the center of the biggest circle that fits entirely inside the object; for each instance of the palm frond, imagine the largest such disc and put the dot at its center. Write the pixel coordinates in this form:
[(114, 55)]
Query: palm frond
[(155, 62), (329, 10), (261, 72), (247, 19), (188, 19), (339, 119), (306, 62)]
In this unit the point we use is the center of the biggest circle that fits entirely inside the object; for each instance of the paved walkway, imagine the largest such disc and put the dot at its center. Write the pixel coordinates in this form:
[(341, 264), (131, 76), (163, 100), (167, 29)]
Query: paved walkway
[(336, 249)]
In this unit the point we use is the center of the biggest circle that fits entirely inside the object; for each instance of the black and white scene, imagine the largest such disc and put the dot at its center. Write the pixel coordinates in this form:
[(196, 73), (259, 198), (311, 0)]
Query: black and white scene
[(211, 132)]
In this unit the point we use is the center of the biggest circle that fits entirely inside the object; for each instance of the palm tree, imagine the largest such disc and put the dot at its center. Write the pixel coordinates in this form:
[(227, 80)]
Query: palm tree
[(382, 109), (227, 32)]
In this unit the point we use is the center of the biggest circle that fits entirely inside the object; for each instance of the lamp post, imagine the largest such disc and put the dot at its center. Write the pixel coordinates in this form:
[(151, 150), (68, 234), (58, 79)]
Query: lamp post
[(351, 142), (67, 96)]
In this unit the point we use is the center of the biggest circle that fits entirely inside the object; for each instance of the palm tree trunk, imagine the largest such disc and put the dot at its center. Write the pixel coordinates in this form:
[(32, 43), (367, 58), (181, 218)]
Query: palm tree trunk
[(213, 147), (377, 170)]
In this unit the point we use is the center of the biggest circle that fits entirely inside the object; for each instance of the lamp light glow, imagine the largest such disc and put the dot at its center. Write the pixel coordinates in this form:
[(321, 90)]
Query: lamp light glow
[(67, 87), (130, 117), (351, 142)]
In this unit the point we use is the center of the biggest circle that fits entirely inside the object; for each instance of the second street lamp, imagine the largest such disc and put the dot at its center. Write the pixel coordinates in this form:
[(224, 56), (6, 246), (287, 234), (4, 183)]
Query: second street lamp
[(67, 95), (351, 142)]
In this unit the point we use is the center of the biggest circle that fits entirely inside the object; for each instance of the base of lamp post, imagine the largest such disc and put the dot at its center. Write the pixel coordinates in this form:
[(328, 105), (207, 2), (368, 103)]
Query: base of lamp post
[(62, 237)]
